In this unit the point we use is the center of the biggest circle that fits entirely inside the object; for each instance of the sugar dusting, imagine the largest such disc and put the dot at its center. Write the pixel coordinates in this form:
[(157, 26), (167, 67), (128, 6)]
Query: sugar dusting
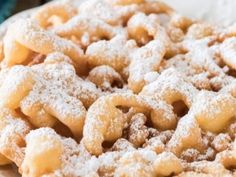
[(141, 144)]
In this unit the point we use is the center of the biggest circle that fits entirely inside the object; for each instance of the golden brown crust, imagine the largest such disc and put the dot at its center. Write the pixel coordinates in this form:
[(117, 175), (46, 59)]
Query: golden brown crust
[(117, 88)]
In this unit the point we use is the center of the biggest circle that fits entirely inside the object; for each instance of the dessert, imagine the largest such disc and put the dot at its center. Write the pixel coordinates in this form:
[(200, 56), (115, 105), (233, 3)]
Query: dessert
[(117, 88)]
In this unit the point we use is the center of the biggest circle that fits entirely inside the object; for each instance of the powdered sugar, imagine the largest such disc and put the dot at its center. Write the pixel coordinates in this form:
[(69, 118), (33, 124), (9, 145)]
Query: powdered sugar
[(123, 108)]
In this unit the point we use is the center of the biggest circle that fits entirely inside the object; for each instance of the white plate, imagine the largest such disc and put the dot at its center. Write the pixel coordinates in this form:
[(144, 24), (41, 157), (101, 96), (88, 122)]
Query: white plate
[(219, 12)]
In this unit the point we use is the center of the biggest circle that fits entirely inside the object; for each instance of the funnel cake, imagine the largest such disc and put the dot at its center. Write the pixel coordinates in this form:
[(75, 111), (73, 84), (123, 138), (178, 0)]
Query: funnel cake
[(114, 88)]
